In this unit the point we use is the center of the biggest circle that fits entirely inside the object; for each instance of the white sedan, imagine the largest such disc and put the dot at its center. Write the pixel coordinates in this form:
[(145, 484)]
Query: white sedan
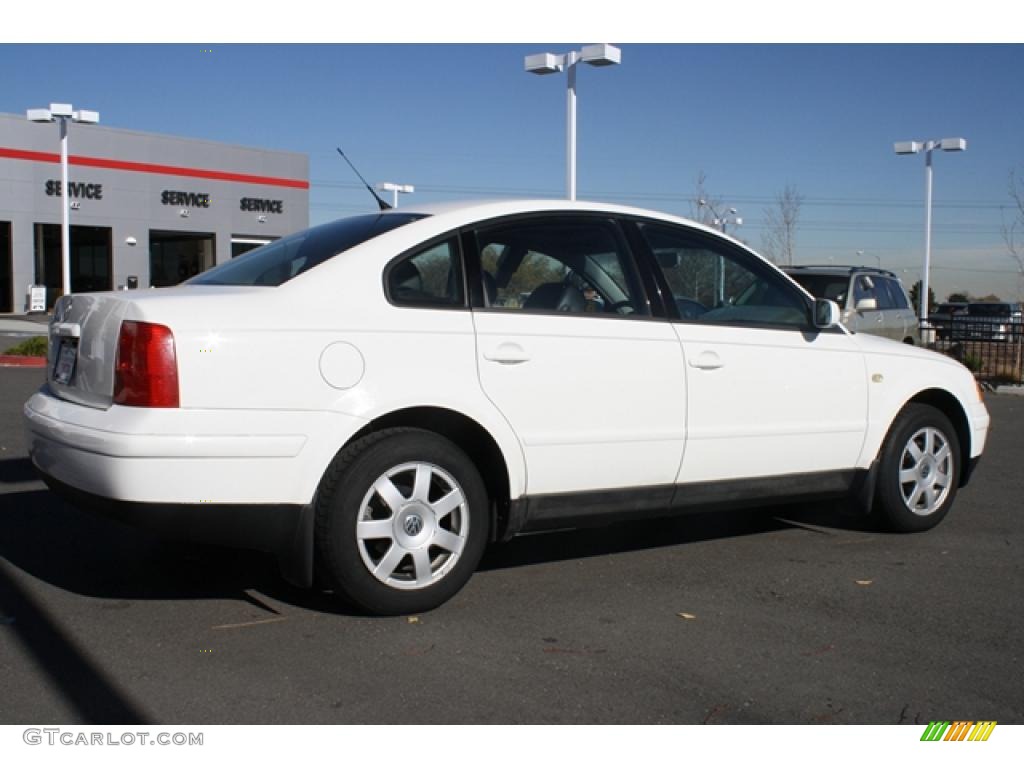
[(383, 395)]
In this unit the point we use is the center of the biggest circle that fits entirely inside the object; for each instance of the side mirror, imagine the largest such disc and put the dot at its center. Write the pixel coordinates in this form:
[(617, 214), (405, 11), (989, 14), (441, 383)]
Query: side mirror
[(826, 313), (867, 305)]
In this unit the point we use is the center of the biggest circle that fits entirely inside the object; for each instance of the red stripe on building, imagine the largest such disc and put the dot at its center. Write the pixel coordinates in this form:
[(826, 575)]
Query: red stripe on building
[(169, 170)]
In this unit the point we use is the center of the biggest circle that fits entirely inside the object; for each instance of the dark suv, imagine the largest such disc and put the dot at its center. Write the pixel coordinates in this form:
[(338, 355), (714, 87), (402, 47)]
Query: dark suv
[(988, 321)]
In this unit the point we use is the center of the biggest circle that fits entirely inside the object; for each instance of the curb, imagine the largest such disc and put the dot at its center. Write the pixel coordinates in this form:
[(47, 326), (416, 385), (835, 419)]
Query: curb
[(22, 361)]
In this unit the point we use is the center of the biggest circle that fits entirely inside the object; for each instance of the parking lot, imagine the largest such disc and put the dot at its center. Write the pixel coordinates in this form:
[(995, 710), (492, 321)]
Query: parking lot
[(788, 615)]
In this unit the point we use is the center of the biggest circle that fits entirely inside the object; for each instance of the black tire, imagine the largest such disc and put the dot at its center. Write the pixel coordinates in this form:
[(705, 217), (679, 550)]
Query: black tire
[(918, 470), (422, 474)]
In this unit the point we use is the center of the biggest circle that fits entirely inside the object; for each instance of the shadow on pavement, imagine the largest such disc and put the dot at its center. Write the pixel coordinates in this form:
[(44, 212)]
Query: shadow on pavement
[(88, 554), (17, 471), (82, 683)]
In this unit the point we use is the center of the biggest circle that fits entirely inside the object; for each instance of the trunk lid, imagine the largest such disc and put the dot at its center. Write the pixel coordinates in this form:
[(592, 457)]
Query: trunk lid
[(83, 344)]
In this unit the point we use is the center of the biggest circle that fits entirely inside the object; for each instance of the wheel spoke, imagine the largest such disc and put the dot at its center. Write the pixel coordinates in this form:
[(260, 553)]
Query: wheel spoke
[(943, 454), (930, 495), (448, 540), (374, 529), (444, 506), (389, 493), (929, 441), (421, 489), (421, 562), (389, 562), (941, 480), (908, 476), (915, 452), (915, 496)]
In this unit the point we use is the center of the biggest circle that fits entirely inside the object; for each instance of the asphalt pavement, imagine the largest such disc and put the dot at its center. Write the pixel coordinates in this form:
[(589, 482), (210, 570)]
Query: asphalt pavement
[(787, 615)]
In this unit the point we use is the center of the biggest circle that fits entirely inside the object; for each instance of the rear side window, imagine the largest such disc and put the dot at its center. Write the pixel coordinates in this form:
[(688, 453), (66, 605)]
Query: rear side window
[(894, 293), (563, 264), (278, 262)]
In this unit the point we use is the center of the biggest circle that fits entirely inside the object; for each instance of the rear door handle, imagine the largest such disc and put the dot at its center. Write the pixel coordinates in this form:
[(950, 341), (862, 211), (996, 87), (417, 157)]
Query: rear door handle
[(706, 361), (507, 353)]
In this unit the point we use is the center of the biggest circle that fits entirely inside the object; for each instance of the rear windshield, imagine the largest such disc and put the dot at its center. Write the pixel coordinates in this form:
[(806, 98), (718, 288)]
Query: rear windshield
[(278, 262)]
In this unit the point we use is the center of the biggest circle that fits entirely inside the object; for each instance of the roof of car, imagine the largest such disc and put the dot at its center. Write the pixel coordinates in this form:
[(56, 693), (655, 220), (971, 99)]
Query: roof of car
[(486, 208), (831, 269)]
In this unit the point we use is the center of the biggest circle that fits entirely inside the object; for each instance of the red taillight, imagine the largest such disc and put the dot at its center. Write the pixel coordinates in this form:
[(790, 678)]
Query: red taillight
[(146, 369)]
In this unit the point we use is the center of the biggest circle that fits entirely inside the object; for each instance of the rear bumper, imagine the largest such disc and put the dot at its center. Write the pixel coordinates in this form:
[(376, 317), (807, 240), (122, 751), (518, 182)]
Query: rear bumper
[(238, 478), (285, 530), (182, 456)]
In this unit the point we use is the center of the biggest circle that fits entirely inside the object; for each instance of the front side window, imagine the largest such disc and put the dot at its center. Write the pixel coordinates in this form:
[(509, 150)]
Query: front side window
[(559, 264), (429, 278), (864, 289), (715, 285)]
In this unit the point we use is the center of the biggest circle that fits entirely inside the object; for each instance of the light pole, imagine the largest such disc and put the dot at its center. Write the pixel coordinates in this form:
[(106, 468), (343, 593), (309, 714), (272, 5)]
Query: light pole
[(912, 148), (601, 55), (62, 113), (394, 189), (722, 221), (860, 255)]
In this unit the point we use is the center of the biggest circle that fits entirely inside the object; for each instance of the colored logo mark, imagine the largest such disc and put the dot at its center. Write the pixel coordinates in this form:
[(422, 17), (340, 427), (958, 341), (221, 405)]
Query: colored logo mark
[(958, 730)]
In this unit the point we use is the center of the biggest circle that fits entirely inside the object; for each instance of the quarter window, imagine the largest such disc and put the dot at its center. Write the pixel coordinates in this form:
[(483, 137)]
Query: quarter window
[(559, 264), (430, 277), (713, 284)]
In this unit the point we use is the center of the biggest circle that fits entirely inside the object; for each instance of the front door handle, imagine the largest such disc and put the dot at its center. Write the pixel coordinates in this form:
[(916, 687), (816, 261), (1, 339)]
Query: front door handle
[(507, 353), (706, 361)]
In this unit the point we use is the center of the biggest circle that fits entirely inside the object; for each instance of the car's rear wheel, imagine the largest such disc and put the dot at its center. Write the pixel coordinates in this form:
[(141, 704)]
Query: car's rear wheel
[(401, 521), (919, 469)]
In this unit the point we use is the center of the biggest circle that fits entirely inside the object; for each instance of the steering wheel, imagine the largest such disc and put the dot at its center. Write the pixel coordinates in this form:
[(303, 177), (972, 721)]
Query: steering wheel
[(690, 309), (621, 307)]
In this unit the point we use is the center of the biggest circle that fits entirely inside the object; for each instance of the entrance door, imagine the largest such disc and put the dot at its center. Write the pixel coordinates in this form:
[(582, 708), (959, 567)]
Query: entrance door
[(91, 257), (243, 244), (6, 269), (176, 256)]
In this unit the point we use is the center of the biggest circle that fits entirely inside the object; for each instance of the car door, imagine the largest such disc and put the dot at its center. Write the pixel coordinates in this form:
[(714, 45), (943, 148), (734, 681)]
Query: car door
[(767, 394), (903, 320), (567, 350)]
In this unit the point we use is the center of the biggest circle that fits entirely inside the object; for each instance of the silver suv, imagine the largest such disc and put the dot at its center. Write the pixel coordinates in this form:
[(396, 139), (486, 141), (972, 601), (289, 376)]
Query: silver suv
[(872, 300)]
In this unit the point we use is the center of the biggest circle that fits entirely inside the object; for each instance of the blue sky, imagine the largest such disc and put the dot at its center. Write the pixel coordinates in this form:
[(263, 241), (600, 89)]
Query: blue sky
[(465, 120)]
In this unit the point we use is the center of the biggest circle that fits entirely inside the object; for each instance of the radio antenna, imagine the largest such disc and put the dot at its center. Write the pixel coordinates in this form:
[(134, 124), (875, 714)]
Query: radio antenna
[(384, 206)]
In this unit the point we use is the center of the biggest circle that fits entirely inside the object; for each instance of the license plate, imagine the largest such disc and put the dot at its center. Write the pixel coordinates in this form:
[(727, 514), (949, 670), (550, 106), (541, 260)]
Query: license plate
[(67, 356)]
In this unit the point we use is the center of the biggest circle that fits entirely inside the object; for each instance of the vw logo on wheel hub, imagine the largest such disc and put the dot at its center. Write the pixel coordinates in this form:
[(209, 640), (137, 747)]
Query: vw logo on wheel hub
[(413, 525)]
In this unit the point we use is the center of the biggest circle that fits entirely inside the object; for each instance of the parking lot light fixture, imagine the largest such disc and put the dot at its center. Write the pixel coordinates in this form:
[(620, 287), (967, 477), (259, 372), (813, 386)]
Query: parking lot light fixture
[(912, 148), (394, 189), (600, 55), (61, 114)]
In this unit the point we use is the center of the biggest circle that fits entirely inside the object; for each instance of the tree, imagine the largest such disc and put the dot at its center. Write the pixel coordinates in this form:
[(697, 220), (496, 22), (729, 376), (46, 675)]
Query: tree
[(779, 238), (915, 297), (958, 298)]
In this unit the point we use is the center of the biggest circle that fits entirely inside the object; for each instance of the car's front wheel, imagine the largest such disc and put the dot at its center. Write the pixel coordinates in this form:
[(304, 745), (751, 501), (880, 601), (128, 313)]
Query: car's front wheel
[(919, 469), (401, 521)]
